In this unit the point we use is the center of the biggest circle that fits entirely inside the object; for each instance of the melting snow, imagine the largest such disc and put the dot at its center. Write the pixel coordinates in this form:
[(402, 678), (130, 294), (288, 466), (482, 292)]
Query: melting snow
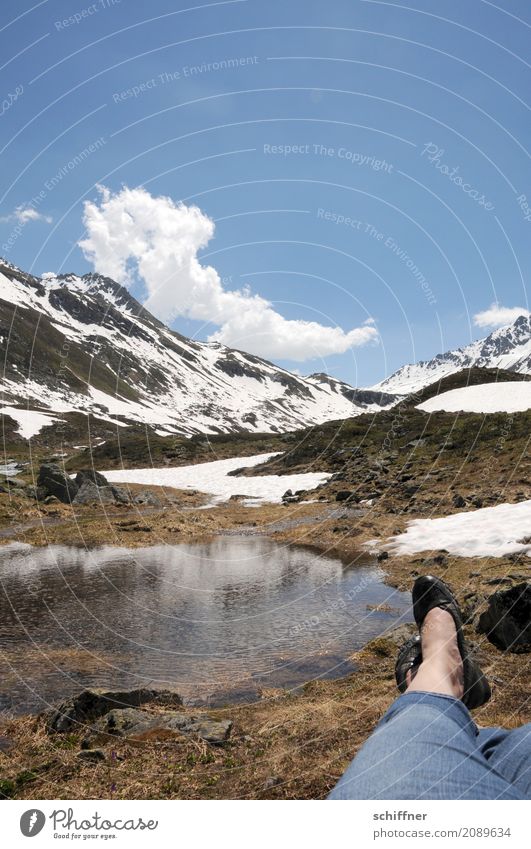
[(29, 421), (489, 532), (9, 469), (213, 479), (510, 397)]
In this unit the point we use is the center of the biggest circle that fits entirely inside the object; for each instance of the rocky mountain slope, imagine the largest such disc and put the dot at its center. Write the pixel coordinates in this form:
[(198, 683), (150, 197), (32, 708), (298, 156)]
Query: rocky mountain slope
[(507, 348), (74, 346)]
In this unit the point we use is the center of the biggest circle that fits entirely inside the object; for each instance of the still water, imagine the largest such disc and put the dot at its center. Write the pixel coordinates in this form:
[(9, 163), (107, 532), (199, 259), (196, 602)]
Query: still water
[(215, 620)]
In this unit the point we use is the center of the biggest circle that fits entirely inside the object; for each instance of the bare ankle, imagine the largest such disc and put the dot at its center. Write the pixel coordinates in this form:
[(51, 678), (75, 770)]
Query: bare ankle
[(441, 670)]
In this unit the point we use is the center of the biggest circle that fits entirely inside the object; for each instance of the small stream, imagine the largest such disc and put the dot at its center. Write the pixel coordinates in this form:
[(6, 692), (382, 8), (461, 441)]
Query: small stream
[(216, 621)]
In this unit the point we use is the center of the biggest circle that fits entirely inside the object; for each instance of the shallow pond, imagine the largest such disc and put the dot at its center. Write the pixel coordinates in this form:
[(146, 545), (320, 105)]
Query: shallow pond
[(214, 621)]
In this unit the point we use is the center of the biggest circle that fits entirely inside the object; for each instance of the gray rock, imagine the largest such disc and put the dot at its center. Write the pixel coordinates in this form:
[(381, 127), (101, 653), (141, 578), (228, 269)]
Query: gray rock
[(147, 497), (458, 501), (91, 476), (120, 494), (53, 481), (213, 731), (89, 493), (91, 704), (507, 621), (137, 724)]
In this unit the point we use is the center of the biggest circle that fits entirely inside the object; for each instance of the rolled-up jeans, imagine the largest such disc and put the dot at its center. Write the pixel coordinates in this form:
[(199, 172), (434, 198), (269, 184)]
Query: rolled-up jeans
[(428, 747)]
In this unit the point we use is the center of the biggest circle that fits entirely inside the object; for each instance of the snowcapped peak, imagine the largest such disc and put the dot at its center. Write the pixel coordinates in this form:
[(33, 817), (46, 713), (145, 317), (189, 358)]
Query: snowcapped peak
[(122, 365), (508, 347), (65, 281), (519, 330)]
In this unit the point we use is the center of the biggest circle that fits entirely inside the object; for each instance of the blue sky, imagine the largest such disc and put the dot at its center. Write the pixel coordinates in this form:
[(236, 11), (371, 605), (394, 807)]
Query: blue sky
[(364, 163)]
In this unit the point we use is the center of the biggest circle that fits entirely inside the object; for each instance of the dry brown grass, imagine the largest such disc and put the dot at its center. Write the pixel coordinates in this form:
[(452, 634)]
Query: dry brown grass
[(136, 525), (283, 747), (286, 745)]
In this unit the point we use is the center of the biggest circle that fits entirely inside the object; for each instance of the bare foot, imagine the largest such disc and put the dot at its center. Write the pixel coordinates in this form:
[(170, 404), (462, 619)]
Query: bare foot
[(441, 670)]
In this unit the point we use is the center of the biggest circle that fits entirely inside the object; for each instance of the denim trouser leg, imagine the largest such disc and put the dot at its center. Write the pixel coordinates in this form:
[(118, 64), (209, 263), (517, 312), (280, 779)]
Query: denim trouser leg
[(509, 753), (428, 747)]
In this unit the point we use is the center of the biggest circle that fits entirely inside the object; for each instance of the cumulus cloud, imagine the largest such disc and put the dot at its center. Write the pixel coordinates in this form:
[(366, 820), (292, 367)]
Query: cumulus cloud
[(131, 233), (497, 316), (22, 214)]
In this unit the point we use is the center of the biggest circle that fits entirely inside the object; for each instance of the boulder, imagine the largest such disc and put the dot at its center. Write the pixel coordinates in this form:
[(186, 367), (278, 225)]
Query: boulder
[(53, 481), (93, 486), (91, 704), (458, 501), (138, 725), (507, 620), (121, 495), (89, 492), (91, 476)]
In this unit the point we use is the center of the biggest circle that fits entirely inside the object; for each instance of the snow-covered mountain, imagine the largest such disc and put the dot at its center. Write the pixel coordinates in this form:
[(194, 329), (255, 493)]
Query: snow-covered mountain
[(507, 348), (84, 345)]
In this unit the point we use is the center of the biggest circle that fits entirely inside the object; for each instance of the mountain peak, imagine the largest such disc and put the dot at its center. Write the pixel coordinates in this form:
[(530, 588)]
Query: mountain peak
[(96, 350), (507, 347)]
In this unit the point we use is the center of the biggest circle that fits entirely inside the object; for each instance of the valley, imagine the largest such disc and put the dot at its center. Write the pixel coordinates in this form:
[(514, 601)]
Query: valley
[(318, 475)]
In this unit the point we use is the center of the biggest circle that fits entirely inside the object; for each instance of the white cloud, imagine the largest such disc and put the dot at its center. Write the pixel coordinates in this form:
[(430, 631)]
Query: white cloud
[(23, 214), (497, 316), (132, 233)]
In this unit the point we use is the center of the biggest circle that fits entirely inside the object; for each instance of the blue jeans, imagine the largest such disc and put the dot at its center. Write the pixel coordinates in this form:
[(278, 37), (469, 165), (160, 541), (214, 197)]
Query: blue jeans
[(427, 747)]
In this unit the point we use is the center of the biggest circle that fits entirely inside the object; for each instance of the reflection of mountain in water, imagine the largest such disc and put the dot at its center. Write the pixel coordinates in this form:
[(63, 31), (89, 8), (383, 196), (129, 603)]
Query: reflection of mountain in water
[(182, 616)]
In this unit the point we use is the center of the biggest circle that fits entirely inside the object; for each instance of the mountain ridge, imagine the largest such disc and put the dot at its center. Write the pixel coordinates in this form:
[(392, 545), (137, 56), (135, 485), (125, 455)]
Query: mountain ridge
[(507, 347), (85, 345)]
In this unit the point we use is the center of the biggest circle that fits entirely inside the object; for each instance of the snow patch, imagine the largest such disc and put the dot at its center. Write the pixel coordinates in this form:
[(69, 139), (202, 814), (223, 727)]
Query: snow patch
[(213, 479), (29, 422), (510, 397), (489, 532)]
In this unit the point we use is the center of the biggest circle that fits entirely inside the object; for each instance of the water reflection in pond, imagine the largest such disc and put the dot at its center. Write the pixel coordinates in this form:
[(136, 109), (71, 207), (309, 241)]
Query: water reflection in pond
[(234, 613)]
